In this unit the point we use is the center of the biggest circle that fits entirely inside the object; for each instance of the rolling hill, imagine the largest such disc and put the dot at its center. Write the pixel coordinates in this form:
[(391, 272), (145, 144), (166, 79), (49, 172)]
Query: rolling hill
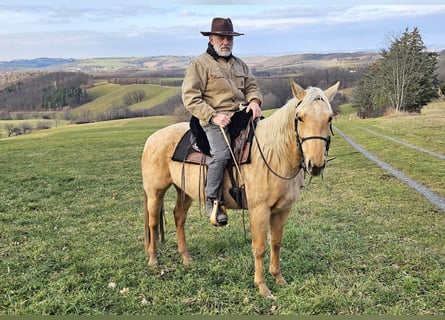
[(106, 94)]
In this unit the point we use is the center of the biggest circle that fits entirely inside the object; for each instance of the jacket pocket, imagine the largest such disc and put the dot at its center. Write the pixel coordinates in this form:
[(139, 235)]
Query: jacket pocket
[(217, 83), (239, 78)]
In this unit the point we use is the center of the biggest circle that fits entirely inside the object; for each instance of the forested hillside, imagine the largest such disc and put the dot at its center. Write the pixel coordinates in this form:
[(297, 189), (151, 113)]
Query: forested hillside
[(46, 91)]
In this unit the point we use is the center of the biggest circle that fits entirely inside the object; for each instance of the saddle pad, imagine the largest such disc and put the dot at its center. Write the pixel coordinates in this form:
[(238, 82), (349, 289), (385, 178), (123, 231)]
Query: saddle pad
[(186, 152)]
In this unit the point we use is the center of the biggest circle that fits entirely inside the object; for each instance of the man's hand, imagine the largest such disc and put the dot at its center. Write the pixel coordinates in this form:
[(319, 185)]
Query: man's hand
[(221, 120), (256, 111)]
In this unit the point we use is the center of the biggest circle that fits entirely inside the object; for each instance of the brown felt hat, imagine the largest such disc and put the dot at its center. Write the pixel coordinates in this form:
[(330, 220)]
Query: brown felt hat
[(222, 27)]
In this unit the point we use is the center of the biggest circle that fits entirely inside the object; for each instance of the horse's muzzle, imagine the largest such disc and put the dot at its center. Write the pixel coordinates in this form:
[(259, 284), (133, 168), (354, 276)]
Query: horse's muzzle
[(313, 169)]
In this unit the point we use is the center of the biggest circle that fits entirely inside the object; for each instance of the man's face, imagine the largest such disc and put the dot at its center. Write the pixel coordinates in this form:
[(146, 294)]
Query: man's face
[(222, 44)]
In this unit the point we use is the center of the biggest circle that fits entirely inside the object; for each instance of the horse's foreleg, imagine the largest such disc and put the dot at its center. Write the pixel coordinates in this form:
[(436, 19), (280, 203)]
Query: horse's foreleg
[(277, 222), (259, 223), (152, 218), (183, 203)]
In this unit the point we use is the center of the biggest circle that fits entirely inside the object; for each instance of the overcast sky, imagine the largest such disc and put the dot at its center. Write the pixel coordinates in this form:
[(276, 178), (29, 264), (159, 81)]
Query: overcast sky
[(133, 28)]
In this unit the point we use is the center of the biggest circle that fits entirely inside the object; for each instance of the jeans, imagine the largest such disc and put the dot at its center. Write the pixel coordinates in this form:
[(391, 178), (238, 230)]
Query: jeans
[(220, 154)]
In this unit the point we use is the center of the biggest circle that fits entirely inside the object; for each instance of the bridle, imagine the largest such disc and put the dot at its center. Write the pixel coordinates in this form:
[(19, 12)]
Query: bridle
[(299, 140)]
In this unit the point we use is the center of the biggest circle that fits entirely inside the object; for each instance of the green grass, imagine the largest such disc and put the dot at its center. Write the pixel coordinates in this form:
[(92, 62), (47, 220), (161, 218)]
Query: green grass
[(347, 111), (71, 234), (424, 131)]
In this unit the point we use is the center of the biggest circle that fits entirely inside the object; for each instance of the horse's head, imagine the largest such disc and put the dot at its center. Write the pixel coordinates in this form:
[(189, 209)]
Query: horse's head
[(313, 126)]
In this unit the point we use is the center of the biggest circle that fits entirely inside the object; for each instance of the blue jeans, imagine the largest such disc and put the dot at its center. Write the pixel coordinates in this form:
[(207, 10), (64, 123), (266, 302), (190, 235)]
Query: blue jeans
[(220, 154)]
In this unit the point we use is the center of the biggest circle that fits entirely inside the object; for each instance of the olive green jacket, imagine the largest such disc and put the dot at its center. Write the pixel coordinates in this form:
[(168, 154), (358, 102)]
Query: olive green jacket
[(217, 86)]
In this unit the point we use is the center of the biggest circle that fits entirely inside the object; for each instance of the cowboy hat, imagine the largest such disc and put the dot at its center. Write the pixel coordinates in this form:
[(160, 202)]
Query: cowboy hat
[(222, 27)]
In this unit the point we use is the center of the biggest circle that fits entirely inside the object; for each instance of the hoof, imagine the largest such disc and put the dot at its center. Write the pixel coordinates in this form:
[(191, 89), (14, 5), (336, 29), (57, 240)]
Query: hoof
[(281, 281), (187, 261), (265, 292), (153, 261)]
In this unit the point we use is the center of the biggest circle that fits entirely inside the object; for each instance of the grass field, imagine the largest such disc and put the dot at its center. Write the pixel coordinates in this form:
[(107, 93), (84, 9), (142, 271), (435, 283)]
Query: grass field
[(106, 95), (358, 241)]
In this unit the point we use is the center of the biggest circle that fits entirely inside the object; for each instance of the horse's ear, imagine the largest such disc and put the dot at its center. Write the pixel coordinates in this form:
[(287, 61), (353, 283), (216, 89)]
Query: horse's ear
[(298, 91), (330, 93)]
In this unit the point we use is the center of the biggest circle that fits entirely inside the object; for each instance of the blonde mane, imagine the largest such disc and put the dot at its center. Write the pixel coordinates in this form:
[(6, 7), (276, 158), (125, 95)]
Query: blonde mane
[(312, 94), (280, 126)]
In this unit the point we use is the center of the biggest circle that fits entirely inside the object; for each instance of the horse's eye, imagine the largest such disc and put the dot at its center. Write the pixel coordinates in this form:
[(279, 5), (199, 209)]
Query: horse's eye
[(300, 119)]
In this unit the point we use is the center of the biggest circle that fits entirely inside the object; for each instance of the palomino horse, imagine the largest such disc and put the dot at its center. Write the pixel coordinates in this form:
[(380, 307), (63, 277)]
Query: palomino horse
[(294, 139)]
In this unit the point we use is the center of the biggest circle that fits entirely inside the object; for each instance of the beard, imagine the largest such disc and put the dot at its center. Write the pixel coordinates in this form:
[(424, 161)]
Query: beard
[(223, 51)]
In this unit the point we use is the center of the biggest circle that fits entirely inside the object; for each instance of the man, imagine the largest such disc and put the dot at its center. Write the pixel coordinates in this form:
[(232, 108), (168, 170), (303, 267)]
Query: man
[(215, 85)]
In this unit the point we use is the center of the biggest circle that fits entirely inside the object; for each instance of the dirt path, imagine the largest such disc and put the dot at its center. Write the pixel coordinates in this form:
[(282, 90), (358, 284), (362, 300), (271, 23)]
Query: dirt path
[(438, 155), (432, 196)]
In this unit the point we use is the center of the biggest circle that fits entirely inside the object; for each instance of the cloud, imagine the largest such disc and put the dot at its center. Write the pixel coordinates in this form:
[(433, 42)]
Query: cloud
[(131, 28), (382, 12), (287, 17)]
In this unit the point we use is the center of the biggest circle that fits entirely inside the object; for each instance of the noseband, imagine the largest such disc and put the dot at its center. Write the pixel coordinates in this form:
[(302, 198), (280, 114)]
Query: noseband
[(300, 140)]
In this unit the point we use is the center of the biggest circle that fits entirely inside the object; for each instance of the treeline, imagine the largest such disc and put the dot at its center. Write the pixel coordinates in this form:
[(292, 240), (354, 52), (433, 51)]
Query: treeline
[(162, 81), (277, 91), (7, 78), (164, 77), (13, 129), (320, 77), (307, 76), (48, 91)]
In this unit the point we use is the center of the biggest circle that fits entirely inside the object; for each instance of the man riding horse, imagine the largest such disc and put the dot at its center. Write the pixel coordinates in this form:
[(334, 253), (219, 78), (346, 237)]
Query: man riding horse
[(216, 83)]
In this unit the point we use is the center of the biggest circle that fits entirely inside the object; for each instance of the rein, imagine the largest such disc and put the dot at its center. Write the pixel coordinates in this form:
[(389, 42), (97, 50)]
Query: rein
[(267, 164)]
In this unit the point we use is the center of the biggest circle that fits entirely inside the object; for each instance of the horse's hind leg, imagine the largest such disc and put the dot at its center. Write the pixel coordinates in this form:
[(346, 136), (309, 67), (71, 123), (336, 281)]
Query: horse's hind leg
[(152, 219), (183, 203)]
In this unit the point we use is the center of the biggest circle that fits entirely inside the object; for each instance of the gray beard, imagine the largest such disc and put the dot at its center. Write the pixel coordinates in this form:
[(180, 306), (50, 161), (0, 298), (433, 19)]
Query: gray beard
[(221, 53)]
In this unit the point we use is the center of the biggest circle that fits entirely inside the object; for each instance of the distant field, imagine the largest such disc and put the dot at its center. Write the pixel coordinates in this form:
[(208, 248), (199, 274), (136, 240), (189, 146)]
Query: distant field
[(109, 64), (106, 95), (357, 242)]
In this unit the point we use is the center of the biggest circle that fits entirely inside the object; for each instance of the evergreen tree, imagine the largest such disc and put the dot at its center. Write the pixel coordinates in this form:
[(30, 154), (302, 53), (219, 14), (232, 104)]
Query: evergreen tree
[(404, 79)]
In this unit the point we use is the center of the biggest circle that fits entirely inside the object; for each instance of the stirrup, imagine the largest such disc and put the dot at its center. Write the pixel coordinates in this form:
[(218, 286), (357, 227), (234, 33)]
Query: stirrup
[(218, 217)]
